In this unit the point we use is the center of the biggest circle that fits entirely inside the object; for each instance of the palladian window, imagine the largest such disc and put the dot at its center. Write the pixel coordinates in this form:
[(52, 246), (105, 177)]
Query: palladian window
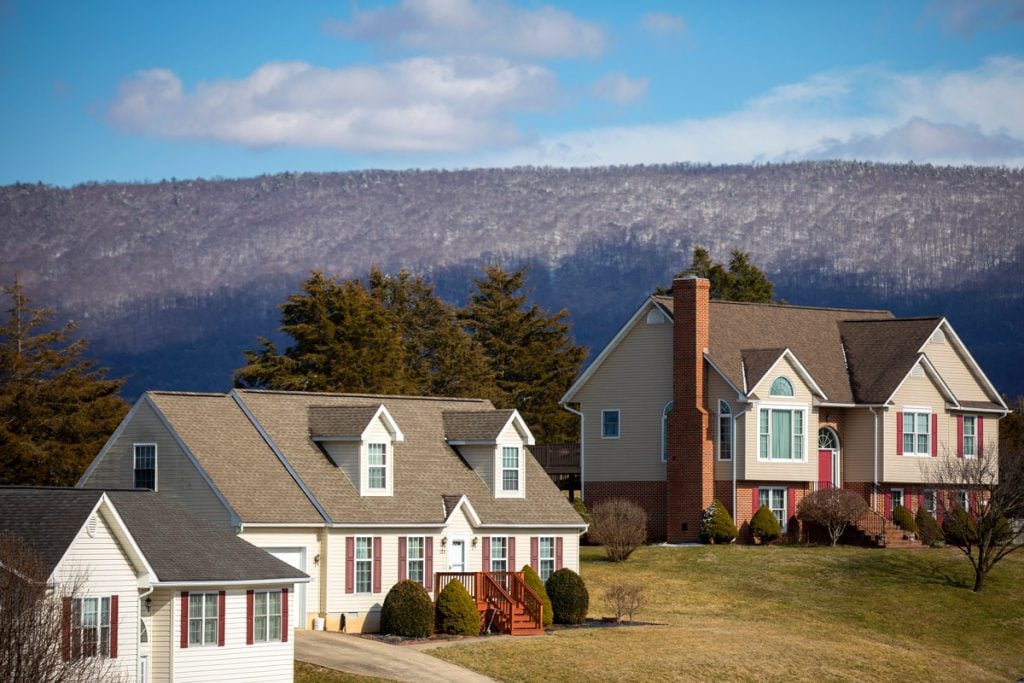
[(782, 387)]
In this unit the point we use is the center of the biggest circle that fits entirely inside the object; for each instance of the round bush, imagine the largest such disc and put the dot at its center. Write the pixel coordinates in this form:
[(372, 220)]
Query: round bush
[(764, 526), (569, 597), (927, 527), (534, 582), (456, 612), (903, 519), (716, 526), (407, 611)]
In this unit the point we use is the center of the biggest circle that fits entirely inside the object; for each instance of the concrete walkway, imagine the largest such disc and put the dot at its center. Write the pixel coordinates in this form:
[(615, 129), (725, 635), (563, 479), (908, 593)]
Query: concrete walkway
[(371, 658)]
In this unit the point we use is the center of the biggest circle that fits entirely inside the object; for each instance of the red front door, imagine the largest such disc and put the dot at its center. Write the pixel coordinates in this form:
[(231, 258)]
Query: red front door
[(825, 469)]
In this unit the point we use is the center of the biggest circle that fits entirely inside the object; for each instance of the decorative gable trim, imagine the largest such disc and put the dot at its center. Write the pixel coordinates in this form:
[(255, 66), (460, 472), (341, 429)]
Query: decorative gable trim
[(105, 507), (515, 419), (971, 363), (800, 370), (382, 414), (463, 502), (932, 374)]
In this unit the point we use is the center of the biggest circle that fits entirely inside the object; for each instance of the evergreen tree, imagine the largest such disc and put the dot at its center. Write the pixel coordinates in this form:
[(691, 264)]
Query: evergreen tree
[(441, 359), (344, 340), (531, 352), (742, 281), (57, 408)]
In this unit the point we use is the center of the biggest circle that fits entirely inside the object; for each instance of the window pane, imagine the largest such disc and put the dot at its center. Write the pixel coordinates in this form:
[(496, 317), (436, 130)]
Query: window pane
[(908, 443), (195, 631), (210, 630), (922, 423), (363, 548), (378, 478), (782, 435), (725, 437), (510, 480), (922, 443), (211, 605), (275, 627), (968, 426), (762, 496), (414, 548), (510, 457), (377, 453), (260, 629)]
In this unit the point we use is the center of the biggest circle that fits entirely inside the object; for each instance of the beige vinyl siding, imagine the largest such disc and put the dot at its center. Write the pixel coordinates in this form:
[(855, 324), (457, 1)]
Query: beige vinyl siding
[(176, 476), (780, 470), (481, 458), (719, 390), (306, 538), (96, 567), (856, 448), (160, 642), (954, 371), (235, 661), (918, 392), (636, 379)]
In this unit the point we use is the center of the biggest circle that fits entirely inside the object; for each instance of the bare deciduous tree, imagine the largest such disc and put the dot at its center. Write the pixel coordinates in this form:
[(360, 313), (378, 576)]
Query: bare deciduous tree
[(620, 526), (625, 598), (832, 508)]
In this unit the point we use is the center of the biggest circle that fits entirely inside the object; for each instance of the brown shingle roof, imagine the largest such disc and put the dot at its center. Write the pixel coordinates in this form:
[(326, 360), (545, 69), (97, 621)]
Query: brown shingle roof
[(348, 421), (981, 405), (475, 425), (756, 362), (880, 353)]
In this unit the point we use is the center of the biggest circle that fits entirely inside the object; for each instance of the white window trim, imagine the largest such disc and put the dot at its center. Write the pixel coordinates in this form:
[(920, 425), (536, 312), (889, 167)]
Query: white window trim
[(963, 441), (156, 454), (903, 497), (934, 507), (664, 429), (256, 639), (364, 469), (499, 470), (967, 499), (504, 558), (618, 423), (411, 561), (541, 558), (785, 502), (98, 628), (355, 565), (732, 432), (782, 406), (204, 618), (917, 410)]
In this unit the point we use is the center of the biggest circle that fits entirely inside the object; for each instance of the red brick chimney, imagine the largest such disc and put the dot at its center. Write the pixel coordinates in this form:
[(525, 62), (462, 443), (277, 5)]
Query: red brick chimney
[(690, 469)]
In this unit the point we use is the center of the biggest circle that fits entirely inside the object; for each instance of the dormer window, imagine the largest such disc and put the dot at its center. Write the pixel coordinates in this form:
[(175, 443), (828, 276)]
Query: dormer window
[(492, 443), (359, 440), (377, 464), (510, 469)]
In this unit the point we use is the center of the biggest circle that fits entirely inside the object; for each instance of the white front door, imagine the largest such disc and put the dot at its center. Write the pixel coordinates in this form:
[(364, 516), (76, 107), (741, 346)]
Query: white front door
[(457, 555), (296, 557), (143, 669)]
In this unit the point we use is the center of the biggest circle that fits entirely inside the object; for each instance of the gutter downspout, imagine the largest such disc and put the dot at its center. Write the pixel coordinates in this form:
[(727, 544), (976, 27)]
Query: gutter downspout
[(732, 435), (874, 446), (582, 419)]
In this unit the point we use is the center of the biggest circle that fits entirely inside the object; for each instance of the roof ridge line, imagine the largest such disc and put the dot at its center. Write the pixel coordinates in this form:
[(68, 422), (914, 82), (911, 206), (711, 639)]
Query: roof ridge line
[(460, 399)]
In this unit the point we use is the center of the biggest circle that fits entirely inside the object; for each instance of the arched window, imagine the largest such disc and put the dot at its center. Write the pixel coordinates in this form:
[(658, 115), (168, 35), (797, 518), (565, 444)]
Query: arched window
[(143, 633), (724, 431), (664, 431), (782, 387), (827, 440)]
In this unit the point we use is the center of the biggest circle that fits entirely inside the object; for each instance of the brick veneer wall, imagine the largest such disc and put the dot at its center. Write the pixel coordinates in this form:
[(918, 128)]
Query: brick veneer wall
[(650, 495)]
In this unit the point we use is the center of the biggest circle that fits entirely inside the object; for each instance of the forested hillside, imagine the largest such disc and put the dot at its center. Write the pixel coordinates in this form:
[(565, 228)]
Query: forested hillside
[(173, 279)]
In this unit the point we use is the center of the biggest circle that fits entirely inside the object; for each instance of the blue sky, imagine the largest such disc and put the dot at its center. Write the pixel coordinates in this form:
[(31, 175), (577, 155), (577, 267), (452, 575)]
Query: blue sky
[(144, 90)]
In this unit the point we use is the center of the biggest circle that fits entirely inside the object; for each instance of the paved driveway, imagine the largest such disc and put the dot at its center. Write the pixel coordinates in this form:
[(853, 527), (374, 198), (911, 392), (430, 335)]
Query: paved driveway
[(356, 655)]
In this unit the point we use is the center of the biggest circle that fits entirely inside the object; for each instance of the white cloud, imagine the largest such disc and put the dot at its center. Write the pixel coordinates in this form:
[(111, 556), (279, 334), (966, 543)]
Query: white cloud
[(492, 27), (966, 17), (621, 89), (663, 23), (417, 105)]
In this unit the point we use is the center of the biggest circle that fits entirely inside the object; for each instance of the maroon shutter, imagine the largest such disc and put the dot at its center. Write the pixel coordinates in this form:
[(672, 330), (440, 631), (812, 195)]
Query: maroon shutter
[(920, 499), (249, 616), (184, 619), (790, 503), (755, 502), (899, 433), (558, 553), (401, 558), (284, 615), (888, 504), (376, 564), (428, 552), (350, 564), (512, 554), (113, 626), (534, 552), (485, 562), (65, 631), (935, 435), (222, 608), (959, 436), (979, 435)]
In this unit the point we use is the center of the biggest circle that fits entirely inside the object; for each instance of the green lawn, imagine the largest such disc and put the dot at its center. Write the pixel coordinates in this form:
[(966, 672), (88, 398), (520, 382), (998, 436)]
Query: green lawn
[(781, 613)]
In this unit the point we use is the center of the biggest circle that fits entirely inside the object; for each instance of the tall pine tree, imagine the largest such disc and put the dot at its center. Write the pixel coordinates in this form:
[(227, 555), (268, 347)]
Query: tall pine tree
[(531, 352), (741, 281), (57, 408)]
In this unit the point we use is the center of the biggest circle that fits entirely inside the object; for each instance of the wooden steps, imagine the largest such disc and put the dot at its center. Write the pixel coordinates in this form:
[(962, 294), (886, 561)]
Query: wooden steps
[(503, 600)]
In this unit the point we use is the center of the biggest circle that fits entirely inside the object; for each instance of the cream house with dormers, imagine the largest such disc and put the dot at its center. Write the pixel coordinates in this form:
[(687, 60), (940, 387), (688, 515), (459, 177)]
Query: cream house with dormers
[(357, 491), (758, 404)]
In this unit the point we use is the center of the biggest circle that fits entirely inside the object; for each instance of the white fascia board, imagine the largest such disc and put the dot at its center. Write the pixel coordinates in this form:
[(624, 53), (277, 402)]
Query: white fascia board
[(282, 525), (606, 351), (121, 532), (389, 423), (581, 525), (972, 364), (520, 424), (106, 447), (326, 439), (464, 502), (472, 442), (800, 370), (932, 374), (215, 583), (740, 395)]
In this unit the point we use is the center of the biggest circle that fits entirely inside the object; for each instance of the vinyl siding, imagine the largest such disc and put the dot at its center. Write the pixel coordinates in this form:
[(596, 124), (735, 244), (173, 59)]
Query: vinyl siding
[(160, 642), (306, 538), (176, 476), (755, 470), (345, 455), (509, 436), (719, 389), (636, 379), (919, 392), (955, 372), (481, 458), (856, 449)]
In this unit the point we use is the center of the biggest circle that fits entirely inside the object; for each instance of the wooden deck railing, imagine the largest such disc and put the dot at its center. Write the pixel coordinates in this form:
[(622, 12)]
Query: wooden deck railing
[(500, 591)]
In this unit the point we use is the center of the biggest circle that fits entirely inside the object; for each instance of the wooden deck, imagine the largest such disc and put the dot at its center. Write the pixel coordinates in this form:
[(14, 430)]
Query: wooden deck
[(504, 601), (562, 463)]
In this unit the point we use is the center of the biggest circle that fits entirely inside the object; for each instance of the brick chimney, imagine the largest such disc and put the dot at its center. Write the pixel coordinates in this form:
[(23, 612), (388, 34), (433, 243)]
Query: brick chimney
[(690, 468)]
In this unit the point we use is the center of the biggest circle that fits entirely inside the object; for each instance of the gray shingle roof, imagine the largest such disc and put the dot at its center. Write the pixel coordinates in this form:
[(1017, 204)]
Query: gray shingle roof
[(46, 520), (476, 425)]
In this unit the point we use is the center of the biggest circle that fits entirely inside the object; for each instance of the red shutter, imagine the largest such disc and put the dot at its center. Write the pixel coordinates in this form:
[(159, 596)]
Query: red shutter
[(755, 502), (790, 503), (350, 564), (888, 504), (899, 433), (512, 554), (284, 615), (376, 564), (935, 435), (558, 553), (979, 435), (65, 631), (534, 553), (485, 561), (184, 619), (428, 551), (222, 608), (249, 616), (959, 436), (920, 500), (113, 626), (401, 558), (972, 502)]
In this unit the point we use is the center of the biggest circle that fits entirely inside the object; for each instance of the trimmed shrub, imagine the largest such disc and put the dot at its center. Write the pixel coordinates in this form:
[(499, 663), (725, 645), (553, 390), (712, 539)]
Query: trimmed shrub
[(407, 611), (533, 581), (716, 526), (620, 526), (903, 519), (764, 525), (456, 611), (928, 528), (569, 597)]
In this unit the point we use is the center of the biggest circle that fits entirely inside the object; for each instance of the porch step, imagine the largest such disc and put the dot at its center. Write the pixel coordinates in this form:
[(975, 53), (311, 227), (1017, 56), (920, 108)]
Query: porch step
[(895, 537)]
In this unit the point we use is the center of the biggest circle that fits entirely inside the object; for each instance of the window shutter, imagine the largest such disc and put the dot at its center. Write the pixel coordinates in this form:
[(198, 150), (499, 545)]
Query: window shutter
[(428, 552), (113, 626), (959, 436), (65, 631), (184, 619), (899, 433), (756, 502), (935, 435), (221, 613), (558, 553), (790, 503), (979, 435), (888, 504), (512, 554), (486, 553), (972, 501), (401, 558), (920, 500), (284, 615), (534, 552), (376, 564), (350, 564), (249, 614)]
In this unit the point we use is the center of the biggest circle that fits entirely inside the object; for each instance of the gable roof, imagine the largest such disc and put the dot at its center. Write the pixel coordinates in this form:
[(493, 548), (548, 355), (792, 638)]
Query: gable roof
[(882, 352), (45, 520), (756, 363)]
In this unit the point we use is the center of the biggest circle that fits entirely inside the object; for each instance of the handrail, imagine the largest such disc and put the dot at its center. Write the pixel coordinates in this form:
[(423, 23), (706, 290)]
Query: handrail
[(872, 523), (528, 597), (497, 598), (468, 579), (500, 590)]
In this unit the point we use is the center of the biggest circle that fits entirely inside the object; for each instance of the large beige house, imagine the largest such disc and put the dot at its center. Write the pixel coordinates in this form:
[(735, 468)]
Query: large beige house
[(757, 404), (357, 491)]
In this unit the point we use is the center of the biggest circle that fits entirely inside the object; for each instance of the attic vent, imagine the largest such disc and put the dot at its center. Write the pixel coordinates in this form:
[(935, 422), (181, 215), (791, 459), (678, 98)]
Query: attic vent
[(938, 337), (90, 526), (918, 371), (655, 318)]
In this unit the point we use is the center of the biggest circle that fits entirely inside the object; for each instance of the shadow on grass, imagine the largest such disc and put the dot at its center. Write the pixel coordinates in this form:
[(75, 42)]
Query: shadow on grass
[(924, 567)]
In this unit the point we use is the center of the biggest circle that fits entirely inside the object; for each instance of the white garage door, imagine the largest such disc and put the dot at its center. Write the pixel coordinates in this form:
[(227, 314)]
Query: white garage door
[(296, 557)]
